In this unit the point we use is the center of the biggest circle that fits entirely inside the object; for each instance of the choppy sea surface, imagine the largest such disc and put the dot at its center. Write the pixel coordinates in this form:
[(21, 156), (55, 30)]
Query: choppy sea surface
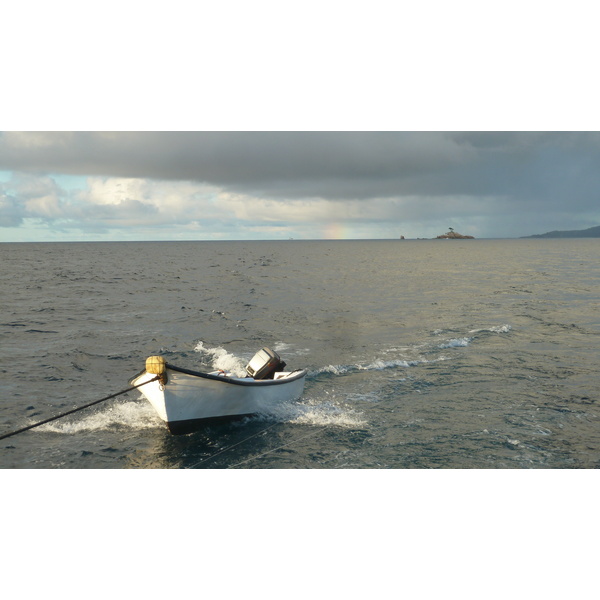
[(422, 354)]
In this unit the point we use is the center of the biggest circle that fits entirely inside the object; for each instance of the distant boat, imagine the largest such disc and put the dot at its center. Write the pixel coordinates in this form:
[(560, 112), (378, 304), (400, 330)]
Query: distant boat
[(186, 399)]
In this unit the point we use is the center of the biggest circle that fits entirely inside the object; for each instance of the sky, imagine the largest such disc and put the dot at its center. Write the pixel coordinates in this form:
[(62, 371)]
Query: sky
[(321, 119), (227, 185)]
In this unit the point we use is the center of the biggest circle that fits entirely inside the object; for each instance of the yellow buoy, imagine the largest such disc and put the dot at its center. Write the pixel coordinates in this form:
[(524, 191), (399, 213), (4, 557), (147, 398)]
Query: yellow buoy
[(156, 365)]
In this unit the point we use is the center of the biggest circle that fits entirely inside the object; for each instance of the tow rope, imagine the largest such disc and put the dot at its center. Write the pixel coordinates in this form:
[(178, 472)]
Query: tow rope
[(6, 435)]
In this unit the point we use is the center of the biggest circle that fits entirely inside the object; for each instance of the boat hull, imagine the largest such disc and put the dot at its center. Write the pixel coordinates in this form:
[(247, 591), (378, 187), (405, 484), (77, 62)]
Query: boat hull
[(192, 399)]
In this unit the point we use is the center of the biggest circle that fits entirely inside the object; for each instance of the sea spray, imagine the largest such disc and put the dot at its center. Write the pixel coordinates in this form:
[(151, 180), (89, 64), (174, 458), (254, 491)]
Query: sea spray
[(134, 415), (221, 359)]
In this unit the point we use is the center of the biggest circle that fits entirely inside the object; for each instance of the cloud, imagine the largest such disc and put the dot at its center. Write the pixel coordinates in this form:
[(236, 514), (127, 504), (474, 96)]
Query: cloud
[(11, 211), (336, 165), (259, 183)]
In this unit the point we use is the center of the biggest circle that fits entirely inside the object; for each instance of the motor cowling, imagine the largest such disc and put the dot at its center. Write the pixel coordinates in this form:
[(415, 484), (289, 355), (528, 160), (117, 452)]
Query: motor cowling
[(264, 364)]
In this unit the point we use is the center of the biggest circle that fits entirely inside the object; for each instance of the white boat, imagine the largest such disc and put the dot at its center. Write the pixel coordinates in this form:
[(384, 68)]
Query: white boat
[(187, 399)]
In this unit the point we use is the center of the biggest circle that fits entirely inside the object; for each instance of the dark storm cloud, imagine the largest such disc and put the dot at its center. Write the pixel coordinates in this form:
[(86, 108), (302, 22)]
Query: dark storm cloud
[(261, 159), (523, 167)]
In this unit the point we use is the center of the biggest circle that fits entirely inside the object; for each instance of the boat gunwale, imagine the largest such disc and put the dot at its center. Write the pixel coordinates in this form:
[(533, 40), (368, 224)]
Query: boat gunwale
[(294, 376)]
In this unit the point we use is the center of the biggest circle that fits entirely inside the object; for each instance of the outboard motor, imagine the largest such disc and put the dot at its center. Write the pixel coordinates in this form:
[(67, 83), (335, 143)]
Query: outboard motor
[(264, 364)]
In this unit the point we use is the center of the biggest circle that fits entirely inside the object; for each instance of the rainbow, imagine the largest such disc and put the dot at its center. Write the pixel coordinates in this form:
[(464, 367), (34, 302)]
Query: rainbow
[(336, 231)]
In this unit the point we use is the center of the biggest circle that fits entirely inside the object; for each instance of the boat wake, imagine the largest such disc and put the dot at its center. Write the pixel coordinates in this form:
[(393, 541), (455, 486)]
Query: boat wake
[(461, 342), (377, 365), (313, 411), (419, 354), (497, 329)]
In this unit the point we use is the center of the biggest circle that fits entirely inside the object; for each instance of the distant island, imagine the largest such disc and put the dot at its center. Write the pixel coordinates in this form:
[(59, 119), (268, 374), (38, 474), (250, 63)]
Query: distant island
[(592, 232), (453, 235)]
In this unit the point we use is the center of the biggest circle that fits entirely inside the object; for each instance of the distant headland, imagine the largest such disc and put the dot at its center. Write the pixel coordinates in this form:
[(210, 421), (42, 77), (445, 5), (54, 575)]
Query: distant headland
[(592, 232)]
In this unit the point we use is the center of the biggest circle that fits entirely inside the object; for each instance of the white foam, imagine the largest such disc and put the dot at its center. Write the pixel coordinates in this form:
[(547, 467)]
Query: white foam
[(311, 412), (137, 415), (367, 396), (495, 329), (288, 349), (348, 419), (380, 365), (376, 365), (456, 343), (281, 346), (335, 369), (501, 329), (221, 359)]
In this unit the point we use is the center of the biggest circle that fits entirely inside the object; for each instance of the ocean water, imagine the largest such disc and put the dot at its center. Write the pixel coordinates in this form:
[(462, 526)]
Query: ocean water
[(422, 354)]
